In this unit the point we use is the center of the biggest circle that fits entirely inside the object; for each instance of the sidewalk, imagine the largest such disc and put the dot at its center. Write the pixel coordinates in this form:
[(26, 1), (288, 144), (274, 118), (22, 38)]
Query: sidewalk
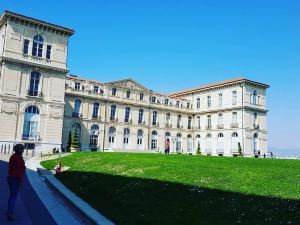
[(29, 209), (36, 203)]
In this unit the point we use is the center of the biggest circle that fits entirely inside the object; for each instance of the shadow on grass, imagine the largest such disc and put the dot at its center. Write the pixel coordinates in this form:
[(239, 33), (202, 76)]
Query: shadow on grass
[(135, 201)]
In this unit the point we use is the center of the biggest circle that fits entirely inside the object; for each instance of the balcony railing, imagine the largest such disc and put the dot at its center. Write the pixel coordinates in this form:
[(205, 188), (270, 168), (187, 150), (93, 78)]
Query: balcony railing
[(220, 126), (190, 127), (113, 119), (234, 151), (168, 125), (234, 125), (127, 121), (208, 151), (34, 93), (31, 137), (220, 151), (76, 114), (96, 116), (256, 126), (208, 127)]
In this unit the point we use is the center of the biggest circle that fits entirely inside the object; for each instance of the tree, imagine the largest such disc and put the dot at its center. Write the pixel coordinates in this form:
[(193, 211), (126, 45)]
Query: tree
[(75, 142), (69, 142), (198, 149), (240, 151)]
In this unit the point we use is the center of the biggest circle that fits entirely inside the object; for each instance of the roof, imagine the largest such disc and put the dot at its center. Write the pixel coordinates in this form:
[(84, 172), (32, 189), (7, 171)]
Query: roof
[(78, 78), (218, 84), (8, 14)]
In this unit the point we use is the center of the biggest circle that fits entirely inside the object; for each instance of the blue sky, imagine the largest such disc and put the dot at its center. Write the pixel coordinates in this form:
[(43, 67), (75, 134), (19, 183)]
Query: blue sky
[(173, 45)]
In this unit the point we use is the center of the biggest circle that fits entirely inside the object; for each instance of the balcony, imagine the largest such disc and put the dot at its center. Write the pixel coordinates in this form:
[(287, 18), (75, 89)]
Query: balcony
[(31, 137), (220, 151), (208, 151), (127, 121), (113, 119), (155, 124), (34, 93), (234, 125), (168, 125), (190, 127), (234, 151), (220, 126), (256, 126), (96, 117), (76, 115), (208, 127)]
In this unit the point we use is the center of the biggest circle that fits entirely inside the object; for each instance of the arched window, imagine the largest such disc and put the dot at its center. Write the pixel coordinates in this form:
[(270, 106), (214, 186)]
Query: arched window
[(167, 134), (141, 116), (140, 138), (189, 143), (77, 106), (178, 142), (189, 122), (126, 137), (255, 142), (111, 136), (208, 144), (31, 123), (154, 118), (113, 110), (77, 126), (220, 119), (127, 114), (220, 144), (37, 46), (254, 97), (94, 135), (96, 106), (34, 84), (234, 142), (154, 138)]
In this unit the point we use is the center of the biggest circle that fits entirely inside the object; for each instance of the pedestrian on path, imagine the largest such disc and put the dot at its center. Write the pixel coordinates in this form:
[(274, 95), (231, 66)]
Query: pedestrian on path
[(16, 170)]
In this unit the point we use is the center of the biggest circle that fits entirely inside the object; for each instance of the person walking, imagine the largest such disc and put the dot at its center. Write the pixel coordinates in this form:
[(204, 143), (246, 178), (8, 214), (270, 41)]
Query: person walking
[(16, 170)]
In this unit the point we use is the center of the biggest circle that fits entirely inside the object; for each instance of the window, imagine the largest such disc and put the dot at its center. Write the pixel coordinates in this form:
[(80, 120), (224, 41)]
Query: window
[(154, 140), (209, 101), (198, 103), (94, 136), (37, 46), (111, 136), (127, 94), (188, 105), (220, 100), (234, 97), (189, 143), (25, 47), (255, 143), (113, 110), (31, 123), (154, 118), (166, 101), (178, 143), (254, 97), (153, 99), (141, 96), (179, 121), (34, 84), (126, 137), (140, 137), (168, 118), (220, 144), (220, 119), (141, 116), (234, 117), (189, 122), (127, 114), (95, 109), (209, 121), (255, 118), (198, 122), (77, 106), (96, 89), (77, 86), (48, 53), (208, 144), (114, 92), (258, 100), (234, 142)]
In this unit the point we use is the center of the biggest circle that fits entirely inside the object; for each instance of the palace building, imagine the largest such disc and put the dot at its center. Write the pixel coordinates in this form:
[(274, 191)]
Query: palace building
[(41, 106)]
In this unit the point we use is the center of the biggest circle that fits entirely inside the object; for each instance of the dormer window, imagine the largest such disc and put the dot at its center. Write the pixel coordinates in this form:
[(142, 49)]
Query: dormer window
[(114, 92), (48, 53), (37, 46), (26, 47), (77, 86), (128, 94), (96, 89)]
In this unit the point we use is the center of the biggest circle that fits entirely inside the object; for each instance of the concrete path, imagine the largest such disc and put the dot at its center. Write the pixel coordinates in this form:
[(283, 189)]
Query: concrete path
[(29, 209)]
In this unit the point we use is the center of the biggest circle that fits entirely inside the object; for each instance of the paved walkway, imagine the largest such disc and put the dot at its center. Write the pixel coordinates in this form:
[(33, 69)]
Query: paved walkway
[(29, 209), (36, 204)]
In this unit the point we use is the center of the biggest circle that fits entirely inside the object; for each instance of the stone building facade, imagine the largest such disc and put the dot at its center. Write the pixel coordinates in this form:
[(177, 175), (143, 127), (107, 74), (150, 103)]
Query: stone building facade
[(41, 106)]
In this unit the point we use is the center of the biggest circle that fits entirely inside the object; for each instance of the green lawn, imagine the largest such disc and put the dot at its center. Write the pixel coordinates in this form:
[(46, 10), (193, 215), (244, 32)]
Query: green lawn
[(138, 189)]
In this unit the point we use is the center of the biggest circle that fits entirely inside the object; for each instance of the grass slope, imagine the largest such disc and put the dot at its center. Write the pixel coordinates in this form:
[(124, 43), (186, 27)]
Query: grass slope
[(178, 189)]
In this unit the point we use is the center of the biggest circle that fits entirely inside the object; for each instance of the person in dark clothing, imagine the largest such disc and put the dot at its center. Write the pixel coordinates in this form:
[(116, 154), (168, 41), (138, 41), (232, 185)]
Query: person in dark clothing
[(16, 170)]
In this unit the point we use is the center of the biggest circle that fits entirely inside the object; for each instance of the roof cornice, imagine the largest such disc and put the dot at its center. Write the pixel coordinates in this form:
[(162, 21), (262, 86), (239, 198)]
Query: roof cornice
[(35, 22), (20, 62)]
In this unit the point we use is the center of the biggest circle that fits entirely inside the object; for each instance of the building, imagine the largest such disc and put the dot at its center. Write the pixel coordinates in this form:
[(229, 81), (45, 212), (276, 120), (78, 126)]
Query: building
[(33, 56), (42, 107)]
